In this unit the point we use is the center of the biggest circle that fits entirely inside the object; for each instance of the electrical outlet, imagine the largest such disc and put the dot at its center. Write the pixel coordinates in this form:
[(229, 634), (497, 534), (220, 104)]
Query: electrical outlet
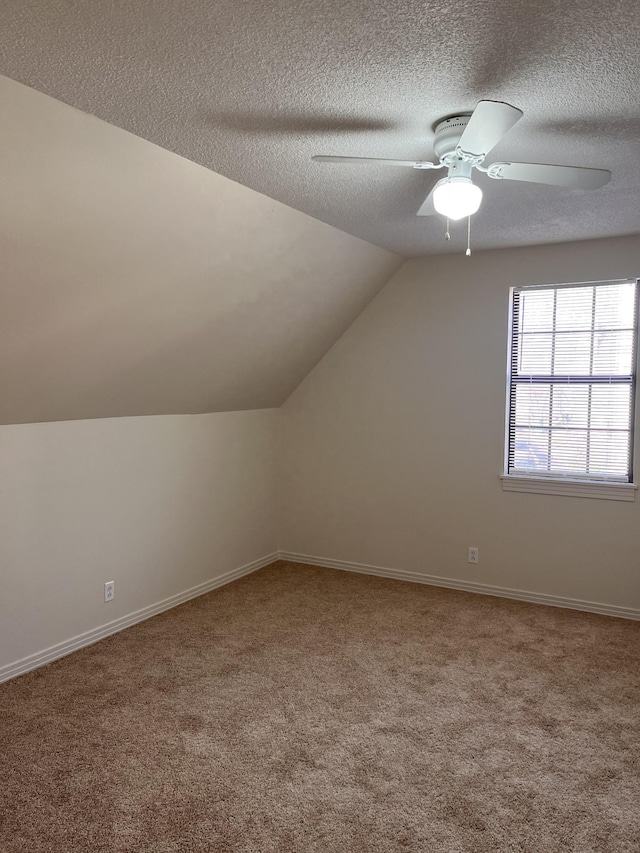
[(109, 590), (474, 555)]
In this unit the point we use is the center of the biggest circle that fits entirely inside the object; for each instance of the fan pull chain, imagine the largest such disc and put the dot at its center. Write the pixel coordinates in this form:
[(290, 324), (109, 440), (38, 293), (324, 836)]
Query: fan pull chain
[(447, 236), (468, 252)]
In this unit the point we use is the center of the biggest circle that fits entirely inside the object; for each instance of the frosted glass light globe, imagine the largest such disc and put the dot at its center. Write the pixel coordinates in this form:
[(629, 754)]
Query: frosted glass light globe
[(456, 197)]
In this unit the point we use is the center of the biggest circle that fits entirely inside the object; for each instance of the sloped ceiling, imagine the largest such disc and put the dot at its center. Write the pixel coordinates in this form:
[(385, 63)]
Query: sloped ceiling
[(136, 282), (252, 89)]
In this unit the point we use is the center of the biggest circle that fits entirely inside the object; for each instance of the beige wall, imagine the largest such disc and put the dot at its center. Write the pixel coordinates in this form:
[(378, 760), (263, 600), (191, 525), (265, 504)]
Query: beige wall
[(393, 445), (390, 455), (158, 504)]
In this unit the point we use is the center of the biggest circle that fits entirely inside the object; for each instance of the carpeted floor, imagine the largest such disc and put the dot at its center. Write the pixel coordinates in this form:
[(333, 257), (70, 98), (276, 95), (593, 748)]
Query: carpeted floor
[(307, 709)]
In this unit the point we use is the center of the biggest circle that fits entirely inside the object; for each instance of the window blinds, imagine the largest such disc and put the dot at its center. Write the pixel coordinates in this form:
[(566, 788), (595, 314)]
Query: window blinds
[(572, 381)]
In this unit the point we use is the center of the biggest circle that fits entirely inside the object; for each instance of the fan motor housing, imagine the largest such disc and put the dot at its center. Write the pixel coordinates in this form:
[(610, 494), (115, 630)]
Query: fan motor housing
[(448, 133)]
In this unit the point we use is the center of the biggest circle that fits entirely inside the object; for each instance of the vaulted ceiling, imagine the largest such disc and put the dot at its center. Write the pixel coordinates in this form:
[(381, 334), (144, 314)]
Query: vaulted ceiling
[(135, 282), (252, 89)]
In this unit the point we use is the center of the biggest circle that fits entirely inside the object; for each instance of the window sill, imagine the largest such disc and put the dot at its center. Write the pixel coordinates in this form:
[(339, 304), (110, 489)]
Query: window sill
[(570, 488)]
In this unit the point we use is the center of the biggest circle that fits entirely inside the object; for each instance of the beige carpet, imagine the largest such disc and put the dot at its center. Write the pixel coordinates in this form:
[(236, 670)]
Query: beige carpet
[(306, 709)]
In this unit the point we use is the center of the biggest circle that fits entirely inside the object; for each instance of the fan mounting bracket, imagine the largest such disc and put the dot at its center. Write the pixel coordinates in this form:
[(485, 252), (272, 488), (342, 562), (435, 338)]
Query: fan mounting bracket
[(495, 171), (447, 135)]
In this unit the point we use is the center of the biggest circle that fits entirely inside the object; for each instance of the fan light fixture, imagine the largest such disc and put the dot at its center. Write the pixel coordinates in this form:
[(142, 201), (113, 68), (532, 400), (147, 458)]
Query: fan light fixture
[(456, 197), (462, 143)]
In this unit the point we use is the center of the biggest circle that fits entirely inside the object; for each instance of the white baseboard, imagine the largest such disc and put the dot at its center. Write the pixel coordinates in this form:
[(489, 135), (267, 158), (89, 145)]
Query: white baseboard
[(60, 650), (466, 586)]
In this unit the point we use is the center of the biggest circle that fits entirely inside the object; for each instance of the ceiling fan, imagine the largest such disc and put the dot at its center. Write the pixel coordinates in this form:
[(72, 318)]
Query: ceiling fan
[(462, 142)]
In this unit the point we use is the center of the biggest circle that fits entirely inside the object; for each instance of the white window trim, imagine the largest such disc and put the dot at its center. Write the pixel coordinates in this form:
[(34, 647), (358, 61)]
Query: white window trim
[(569, 488), (558, 484)]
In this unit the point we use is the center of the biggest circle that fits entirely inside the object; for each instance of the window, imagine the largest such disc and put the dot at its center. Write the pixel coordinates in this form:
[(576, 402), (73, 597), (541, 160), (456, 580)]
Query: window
[(571, 389)]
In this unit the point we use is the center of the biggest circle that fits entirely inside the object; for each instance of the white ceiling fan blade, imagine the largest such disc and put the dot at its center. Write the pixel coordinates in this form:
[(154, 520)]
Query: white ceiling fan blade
[(381, 161), (488, 124), (575, 177), (427, 208)]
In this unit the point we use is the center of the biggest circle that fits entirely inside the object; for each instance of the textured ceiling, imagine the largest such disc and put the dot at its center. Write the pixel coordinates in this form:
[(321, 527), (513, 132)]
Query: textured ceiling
[(252, 89), (135, 282)]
